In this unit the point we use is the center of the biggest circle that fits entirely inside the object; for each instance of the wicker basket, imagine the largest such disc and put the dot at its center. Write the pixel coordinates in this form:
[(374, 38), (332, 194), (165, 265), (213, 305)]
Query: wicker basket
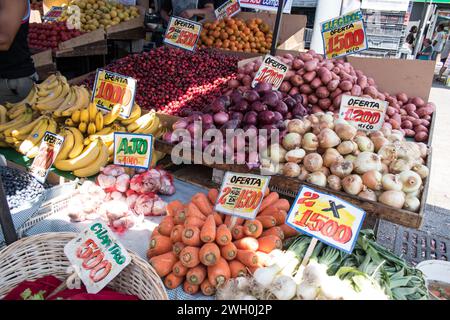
[(36, 256)]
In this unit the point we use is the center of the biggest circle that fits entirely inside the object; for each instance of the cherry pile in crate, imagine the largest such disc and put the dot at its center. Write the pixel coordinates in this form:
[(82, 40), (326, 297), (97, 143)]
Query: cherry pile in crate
[(43, 36)]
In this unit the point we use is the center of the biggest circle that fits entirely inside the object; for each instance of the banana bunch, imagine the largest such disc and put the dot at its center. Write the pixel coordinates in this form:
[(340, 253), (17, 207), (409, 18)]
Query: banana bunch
[(3, 114), (30, 145), (10, 124), (88, 120), (29, 100)]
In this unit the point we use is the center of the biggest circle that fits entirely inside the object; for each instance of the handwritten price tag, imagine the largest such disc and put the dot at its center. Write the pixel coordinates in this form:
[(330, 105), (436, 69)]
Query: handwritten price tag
[(241, 194), (271, 71), (344, 35), (48, 151), (98, 256), (267, 5), (363, 113), (228, 9), (111, 89), (327, 218), (53, 14), (133, 150), (182, 33)]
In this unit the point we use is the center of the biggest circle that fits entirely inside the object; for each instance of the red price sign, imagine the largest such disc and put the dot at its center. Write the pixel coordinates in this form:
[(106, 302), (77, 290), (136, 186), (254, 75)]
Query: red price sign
[(112, 89), (97, 255), (271, 71), (327, 218), (228, 9), (241, 194), (344, 35), (363, 113), (182, 33)]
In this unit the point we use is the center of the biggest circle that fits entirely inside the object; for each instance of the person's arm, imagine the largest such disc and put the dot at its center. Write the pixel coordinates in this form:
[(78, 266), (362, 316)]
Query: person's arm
[(208, 9), (11, 14)]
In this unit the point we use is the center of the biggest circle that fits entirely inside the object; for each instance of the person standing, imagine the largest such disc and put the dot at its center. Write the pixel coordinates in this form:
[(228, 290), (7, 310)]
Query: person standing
[(189, 9), (438, 41), (427, 50), (444, 59), (17, 72), (410, 38)]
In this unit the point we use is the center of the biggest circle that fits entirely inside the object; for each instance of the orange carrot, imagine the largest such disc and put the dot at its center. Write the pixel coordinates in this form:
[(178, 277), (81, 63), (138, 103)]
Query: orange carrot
[(269, 211), (253, 228), (219, 273), (174, 207), (208, 232), (269, 200), (217, 219), (228, 251), (262, 257), (288, 231), (212, 195), (177, 247), (190, 288), (189, 257), (266, 192), (269, 243), (228, 219), (238, 232), (223, 235), (191, 236), (275, 231), (193, 211), (179, 217), (194, 221), (158, 245), (172, 281), (209, 254), (267, 221), (176, 233), (179, 270), (163, 263), (196, 275), (247, 243), (201, 201), (280, 216), (282, 204), (237, 269), (207, 288), (247, 257), (166, 226)]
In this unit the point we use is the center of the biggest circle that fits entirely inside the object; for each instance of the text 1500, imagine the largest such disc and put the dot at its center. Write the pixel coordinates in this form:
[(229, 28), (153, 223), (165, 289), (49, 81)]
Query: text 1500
[(247, 199), (346, 41)]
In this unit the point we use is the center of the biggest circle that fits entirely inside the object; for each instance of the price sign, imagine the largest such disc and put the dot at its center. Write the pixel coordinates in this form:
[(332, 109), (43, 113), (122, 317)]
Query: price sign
[(327, 218), (111, 89), (133, 150), (182, 33), (363, 113), (266, 5), (53, 14), (241, 194), (271, 71), (344, 35), (228, 9), (48, 151), (97, 255)]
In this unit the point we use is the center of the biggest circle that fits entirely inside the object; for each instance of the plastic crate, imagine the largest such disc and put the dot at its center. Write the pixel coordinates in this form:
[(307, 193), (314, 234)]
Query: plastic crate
[(384, 30), (379, 42), (383, 17)]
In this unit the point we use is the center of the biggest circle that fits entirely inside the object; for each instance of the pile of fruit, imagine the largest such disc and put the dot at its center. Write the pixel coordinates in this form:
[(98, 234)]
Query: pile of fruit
[(43, 36), (198, 248), (57, 107), (237, 35), (20, 187), (102, 14), (169, 79)]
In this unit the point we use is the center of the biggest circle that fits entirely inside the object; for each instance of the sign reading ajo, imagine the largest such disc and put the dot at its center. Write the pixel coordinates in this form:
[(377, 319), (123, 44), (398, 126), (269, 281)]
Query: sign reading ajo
[(53, 14), (241, 194), (363, 113), (182, 33), (48, 151), (133, 150), (344, 35), (112, 89), (267, 5), (228, 9), (327, 218), (97, 255), (271, 71)]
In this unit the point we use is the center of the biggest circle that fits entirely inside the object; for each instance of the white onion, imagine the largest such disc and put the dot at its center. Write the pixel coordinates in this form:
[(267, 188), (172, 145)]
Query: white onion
[(331, 156), (391, 182), (310, 142), (384, 168), (325, 171), (291, 169), (395, 137), (411, 203), (295, 156), (334, 182), (346, 147), (367, 161), (303, 173), (421, 170), (350, 157), (317, 178), (342, 169), (410, 180), (423, 149), (297, 126), (372, 179), (313, 162), (292, 141), (352, 184), (393, 198), (379, 142), (364, 144), (328, 138), (388, 152), (368, 195), (345, 131), (400, 165), (408, 150), (277, 153)]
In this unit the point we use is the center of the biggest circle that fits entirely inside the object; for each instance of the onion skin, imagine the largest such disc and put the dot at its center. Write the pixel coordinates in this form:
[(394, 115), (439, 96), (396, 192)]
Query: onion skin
[(391, 182), (334, 182), (364, 144), (328, 138), (421, 170), (291, 169), (310, 142), (297, 126), (303, 173), (331, 156), (410, 180), (345, 131), (411, 204), (345, 147), (313, 162), (393, 198), (292, 141), (367, 161), (317, 178), (342, 169), (352, 184), (368, 195), (372, 180)]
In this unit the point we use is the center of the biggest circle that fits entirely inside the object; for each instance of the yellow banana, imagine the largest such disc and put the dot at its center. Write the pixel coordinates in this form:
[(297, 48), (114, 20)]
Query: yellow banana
[(135, 114), (33, 152), (3, 144), (35, 136), (105, 131), (83, 160), (112, 115), (91, 129), (94, 167), (30, 99), (92, 111), (49, 95), (25, 129), (152, 128), (69, 142), (99, 121), (82, 127), (81, 102), (110, 148), (78, 144), (16, 111), (52, 126), (76, 116), (146, 124), (141, 122), (69, 122), (3, 114), (84, 115), (23, 119)]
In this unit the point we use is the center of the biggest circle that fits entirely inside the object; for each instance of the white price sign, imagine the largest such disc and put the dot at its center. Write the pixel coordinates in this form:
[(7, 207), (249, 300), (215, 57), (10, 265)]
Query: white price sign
[(363, 113), (271, 71), (48, 151)]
